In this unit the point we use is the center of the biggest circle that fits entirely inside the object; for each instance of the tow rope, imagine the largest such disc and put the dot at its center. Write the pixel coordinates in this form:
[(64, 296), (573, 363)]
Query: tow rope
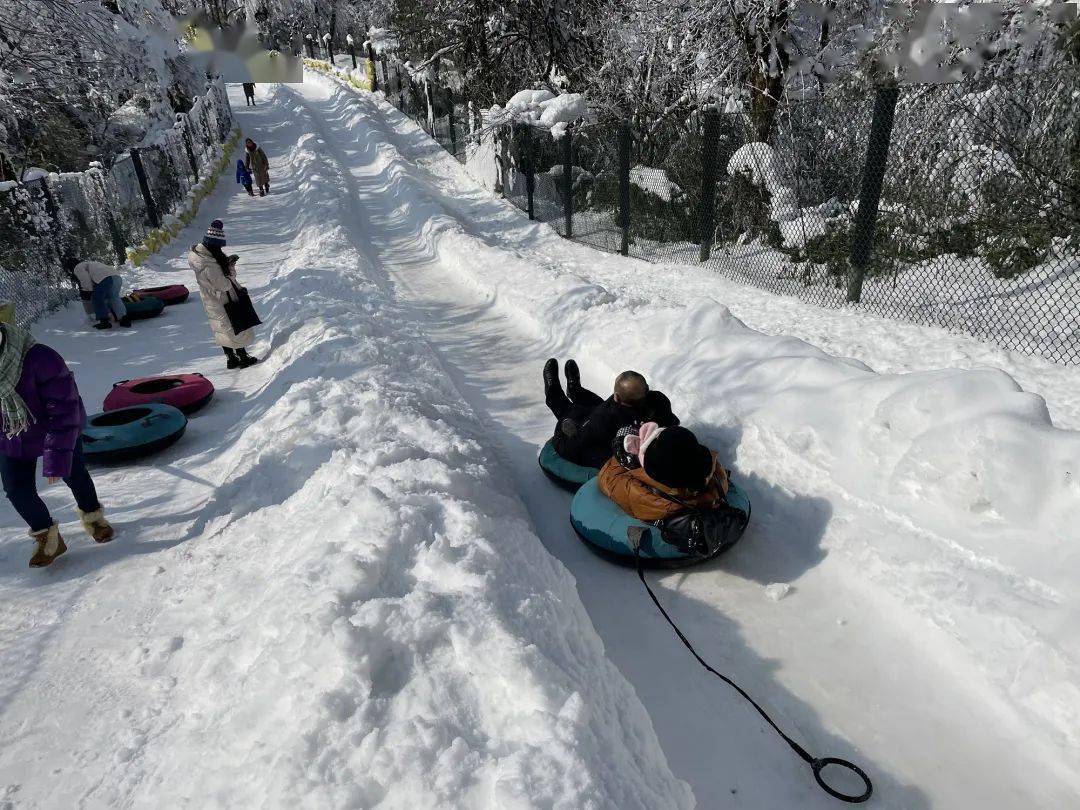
[(817, 765)]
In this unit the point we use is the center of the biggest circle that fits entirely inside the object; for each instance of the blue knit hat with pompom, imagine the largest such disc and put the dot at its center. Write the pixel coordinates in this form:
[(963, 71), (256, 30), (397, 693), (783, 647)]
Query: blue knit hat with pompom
[(215, 234)]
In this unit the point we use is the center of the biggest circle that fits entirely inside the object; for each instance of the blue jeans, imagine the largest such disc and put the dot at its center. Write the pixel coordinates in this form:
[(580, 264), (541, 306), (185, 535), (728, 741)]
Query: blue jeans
[(107, 297), (20, 486)]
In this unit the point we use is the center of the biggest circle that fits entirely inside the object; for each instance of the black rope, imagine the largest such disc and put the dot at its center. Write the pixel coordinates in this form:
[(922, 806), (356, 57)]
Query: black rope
[(816, 764)]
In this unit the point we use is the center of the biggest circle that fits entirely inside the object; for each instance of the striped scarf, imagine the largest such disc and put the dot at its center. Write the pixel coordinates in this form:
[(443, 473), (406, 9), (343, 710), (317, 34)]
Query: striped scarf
[(15, 418)]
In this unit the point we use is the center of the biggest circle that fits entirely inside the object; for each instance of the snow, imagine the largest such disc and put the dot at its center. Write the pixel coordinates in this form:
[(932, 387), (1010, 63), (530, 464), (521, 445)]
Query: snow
[(326, 595), (565, 108), (921, 516), (777, 590), (34, 173), (350, 586), (760, 164), (543, 108), (654, 181)]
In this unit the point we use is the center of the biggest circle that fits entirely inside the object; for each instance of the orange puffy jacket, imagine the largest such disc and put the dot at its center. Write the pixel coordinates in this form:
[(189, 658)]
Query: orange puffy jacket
[(632, 490)]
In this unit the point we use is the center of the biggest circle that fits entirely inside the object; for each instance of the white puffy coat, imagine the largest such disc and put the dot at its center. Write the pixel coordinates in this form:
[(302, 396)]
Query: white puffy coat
[(215, 289)]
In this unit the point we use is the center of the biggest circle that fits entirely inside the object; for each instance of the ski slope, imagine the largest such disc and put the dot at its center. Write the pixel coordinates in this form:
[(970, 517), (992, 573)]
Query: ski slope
[(349, 586)]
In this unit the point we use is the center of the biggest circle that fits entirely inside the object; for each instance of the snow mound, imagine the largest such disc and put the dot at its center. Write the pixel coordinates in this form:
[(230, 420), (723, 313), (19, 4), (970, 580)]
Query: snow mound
[(760, 164), (655, 181), (984, 484)]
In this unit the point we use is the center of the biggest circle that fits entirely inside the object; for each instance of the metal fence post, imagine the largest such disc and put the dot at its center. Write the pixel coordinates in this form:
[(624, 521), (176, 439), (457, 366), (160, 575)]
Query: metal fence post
[(118, 243), (371, 62), (709, 145), (430, 107), (568, 182), (54, 215), (450, 121), (624, 187), (877, 154), (525, 130), (190, 149), (140, 173)]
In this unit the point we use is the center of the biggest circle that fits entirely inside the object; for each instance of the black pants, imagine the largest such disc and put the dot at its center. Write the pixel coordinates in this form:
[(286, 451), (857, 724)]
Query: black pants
[(575, 405), (20, 486)]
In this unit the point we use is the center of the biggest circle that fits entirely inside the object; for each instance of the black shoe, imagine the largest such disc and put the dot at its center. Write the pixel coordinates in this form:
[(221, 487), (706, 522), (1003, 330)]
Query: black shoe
[(247, 360), (125, 321), (572, 374), (232, 361), (551, 374), (103, 325)]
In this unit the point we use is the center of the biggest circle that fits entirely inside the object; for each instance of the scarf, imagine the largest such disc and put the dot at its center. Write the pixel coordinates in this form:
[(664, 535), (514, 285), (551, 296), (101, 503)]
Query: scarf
[(15, 418)]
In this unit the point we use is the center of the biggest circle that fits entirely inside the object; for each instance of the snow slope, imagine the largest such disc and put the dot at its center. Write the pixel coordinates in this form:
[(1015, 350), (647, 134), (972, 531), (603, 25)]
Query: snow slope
[(340, 590), (923, 518), (326, 595)]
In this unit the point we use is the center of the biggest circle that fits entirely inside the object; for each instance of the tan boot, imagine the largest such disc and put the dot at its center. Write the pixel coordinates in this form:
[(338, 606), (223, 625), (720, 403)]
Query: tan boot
[(50, 545), (99, 529)]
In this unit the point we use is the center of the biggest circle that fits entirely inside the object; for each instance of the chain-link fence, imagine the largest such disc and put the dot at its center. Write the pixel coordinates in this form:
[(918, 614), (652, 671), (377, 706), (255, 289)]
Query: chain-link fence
[(98, 213), (955, 205)]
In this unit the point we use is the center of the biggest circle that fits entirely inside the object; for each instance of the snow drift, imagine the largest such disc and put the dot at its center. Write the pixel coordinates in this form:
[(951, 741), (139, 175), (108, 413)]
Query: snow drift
[(363, 616)]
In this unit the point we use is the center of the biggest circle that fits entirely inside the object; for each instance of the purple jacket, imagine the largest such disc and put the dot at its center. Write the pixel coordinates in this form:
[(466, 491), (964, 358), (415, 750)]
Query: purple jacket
[(48, 388)]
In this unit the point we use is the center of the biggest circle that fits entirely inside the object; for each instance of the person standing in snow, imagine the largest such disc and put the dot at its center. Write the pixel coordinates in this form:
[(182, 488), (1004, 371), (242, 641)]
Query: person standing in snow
[(104, 284), (256, 162), (586, 425), (215, 273), (243, 177), (42, 416), (249, 94)]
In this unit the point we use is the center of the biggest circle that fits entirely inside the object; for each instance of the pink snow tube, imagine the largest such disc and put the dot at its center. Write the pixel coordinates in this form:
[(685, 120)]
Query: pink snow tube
[(169, 294), (188, 392)]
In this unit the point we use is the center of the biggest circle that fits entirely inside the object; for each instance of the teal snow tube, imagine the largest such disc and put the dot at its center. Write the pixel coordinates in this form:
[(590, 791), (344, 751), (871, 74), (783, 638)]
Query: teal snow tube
[(604, 526), (148, 307), (566, 474), (129, 433)]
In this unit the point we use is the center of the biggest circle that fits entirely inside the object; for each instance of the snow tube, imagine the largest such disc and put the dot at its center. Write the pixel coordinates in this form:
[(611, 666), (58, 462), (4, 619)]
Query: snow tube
[(149, 307), (566, 474), (604, 527), (130, 433), (169, 294), (188, 392)]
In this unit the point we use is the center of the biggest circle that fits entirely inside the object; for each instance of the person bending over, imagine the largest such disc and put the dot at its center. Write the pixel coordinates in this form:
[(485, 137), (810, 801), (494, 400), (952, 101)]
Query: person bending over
[(586, 425)]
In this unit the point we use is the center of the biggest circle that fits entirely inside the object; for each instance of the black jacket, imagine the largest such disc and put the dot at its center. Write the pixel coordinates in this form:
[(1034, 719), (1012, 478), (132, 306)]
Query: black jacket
[(591, 445)]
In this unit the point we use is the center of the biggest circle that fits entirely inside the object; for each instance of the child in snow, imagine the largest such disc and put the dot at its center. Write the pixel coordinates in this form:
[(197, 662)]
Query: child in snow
[(659, 473), (42, 416), (102, 283), (215, 273), (243, 177)]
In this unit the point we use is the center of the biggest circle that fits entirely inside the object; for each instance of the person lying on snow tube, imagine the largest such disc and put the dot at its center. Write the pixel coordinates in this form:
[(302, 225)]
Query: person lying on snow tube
[(586, 425), (664, 476)]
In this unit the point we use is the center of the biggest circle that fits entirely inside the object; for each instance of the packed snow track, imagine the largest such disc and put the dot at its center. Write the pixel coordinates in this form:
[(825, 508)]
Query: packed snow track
[(350, 585)]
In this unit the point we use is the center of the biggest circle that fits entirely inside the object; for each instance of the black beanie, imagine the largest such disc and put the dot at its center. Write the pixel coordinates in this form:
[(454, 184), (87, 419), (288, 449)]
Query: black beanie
[(675, 459)]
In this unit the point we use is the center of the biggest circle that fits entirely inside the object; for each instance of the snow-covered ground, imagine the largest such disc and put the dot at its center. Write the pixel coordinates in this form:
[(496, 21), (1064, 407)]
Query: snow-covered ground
[(348, 587)]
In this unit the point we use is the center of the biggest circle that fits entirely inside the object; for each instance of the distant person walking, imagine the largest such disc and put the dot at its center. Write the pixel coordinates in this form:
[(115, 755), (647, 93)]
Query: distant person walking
[(256, 163), (42, 416), (216, 274), (243, 177), (249, 94), (103, 283)]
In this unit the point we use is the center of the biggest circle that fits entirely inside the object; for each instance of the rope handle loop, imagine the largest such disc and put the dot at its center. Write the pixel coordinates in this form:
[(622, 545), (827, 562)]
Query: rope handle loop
[(818, 765)]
